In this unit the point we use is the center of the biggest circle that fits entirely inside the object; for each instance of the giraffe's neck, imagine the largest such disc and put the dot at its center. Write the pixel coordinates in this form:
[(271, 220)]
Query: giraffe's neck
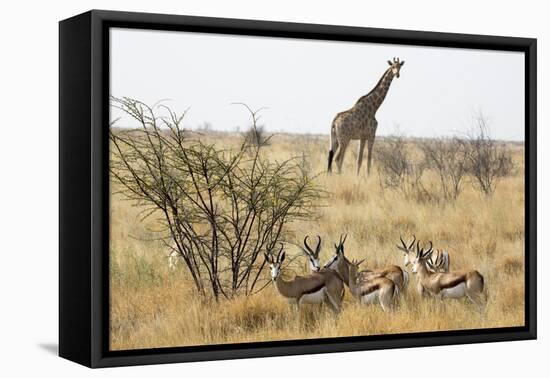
[(378, 94)]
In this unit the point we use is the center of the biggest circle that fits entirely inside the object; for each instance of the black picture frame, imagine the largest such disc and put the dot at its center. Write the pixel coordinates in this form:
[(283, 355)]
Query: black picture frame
[(84, 194)]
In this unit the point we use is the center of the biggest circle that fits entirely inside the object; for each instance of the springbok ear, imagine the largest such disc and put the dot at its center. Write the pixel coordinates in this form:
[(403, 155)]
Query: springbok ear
[(401, 64), (266, 256), (389, 63), (282, 258)]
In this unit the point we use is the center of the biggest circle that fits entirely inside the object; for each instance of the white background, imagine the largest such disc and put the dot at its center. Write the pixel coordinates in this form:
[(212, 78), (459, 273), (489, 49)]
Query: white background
[(29, 189)]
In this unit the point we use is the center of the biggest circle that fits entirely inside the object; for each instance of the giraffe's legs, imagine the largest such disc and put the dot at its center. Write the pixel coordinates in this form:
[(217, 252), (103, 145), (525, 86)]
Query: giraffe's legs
[(370, 144), (343, 146), (360, 154), (332, 151)]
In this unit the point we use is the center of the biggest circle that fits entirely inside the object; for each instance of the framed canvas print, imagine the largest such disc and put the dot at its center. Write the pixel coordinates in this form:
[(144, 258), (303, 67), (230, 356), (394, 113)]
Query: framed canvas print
[(235, 188)]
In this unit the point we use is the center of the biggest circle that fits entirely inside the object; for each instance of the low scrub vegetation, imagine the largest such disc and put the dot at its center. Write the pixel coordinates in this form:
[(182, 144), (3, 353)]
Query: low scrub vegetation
[(474, 159), (217, 209), (153, 305)]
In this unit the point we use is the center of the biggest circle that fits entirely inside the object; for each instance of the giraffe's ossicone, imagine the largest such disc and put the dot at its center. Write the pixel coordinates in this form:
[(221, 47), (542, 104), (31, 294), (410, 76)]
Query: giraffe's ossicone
[(360, 122)]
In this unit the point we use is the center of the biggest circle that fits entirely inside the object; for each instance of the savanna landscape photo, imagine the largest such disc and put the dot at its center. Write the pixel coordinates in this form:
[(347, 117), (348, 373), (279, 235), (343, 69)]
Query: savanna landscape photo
[(268, 189)]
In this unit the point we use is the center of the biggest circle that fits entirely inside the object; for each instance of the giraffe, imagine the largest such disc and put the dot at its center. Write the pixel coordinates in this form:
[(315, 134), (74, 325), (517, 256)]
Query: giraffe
[(359, 122)]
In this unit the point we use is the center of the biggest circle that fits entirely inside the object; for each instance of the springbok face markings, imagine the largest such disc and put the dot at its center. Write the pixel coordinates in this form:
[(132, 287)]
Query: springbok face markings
[(313, 254), (415, 266), (274, 269), (314, 265), (332, 263)]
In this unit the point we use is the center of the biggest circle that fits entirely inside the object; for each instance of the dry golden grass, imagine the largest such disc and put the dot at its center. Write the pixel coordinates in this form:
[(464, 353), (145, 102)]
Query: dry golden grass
[(153, 306)]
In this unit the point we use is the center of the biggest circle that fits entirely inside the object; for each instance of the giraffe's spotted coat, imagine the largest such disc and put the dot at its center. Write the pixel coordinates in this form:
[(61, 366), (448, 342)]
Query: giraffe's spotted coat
[(360, 122)]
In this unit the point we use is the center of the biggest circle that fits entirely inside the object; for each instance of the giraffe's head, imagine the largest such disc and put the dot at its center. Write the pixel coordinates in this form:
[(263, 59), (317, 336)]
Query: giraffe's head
[(396, 66)]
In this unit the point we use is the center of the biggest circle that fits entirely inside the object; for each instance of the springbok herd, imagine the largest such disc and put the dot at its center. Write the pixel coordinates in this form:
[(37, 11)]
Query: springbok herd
[(325, 285)]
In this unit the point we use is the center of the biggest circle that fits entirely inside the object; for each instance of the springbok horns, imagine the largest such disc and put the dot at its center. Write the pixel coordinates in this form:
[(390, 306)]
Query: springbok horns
[(313, 254)]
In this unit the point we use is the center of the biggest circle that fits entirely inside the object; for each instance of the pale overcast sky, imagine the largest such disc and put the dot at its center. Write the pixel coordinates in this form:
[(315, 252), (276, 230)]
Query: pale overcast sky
[(304, 83)]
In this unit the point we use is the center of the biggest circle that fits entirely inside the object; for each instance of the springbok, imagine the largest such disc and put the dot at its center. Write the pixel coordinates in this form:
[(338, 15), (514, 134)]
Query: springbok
[(457, 284), (440, 260), (319, 287), (313, 255), (369, 291), (399, 276)]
